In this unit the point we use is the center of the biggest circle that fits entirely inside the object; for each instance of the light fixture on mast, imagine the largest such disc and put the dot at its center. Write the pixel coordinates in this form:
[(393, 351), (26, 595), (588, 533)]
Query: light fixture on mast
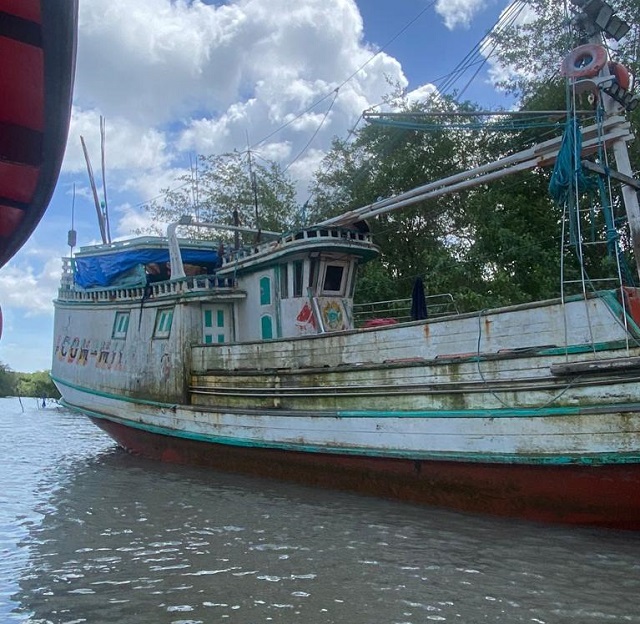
[(597, 16)]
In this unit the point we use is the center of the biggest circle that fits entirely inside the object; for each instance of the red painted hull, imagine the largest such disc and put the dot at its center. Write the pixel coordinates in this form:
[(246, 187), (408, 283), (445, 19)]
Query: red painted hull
[(607, 496), (37, 59)]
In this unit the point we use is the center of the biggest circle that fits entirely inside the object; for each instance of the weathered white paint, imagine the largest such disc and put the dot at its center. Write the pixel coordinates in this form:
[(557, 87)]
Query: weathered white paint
[(536, 437), (467, 377)]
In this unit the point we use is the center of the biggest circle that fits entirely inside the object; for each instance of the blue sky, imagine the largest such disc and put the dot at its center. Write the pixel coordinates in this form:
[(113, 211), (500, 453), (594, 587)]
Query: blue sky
[(174, 79)]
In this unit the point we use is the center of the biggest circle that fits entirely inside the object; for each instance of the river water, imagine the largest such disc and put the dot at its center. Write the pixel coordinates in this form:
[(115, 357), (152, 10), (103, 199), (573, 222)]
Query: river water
[(91, 534)]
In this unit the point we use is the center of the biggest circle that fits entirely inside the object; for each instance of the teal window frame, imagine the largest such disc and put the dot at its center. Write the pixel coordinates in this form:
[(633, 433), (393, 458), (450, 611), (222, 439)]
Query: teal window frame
[(265, 290), (266, 327), (120, 325), (164, 321)]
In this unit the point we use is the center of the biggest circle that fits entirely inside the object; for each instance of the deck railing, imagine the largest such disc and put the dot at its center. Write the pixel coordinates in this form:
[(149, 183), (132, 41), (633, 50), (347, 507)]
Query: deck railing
[(400, 309), (192, 285)]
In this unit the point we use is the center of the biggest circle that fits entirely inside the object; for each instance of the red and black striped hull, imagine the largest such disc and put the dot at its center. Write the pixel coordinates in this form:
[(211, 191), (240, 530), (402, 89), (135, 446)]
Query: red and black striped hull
[(37, 61)]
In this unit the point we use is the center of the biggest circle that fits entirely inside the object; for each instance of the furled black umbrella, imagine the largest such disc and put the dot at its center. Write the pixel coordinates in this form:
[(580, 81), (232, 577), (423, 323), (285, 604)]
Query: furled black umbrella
[(418, 301)]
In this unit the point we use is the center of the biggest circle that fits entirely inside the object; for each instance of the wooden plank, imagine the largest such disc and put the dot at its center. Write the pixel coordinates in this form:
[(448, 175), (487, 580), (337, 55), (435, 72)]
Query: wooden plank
[(593, 367)]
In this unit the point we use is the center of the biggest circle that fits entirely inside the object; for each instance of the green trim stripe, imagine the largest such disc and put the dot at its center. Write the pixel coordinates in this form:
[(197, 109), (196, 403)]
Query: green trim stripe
[(109, 395), (522, 412), (506, 458)]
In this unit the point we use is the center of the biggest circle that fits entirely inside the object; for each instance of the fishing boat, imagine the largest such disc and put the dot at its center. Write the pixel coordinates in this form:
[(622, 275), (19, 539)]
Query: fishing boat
[(257, 360), (37, 58)]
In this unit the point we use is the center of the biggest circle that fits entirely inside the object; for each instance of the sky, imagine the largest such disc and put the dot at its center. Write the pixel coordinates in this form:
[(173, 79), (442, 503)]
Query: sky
[(174, 79)]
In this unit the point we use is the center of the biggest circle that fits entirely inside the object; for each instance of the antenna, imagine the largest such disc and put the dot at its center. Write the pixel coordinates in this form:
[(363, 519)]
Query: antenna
[(72, 234), (254, 188)]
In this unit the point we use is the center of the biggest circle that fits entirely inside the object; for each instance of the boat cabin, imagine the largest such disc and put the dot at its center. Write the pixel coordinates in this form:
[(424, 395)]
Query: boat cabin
[(298, 284)]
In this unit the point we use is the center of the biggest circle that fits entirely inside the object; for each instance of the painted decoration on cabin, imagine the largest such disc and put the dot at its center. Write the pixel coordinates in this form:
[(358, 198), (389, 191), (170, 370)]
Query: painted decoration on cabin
[(306, 320), (332, 316)]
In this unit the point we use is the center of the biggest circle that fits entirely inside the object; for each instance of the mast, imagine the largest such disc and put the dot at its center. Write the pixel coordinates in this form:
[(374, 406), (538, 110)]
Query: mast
[(105, 208), (597, 20), (94, 190)]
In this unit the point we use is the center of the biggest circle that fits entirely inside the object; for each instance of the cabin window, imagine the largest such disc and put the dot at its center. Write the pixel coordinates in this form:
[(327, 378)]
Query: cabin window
[(265, 290), (298, 278), (216, 322), (284, 281), (164, 318), (352, 283), (266, 326), (120, 325), (334, 278), (313, 273)]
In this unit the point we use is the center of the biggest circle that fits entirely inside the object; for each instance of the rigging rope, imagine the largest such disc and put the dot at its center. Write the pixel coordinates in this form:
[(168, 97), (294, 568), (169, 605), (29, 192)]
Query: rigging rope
[(568, 168)]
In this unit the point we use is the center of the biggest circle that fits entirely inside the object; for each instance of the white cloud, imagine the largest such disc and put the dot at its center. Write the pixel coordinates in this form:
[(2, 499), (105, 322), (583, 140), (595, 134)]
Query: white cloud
[(176, 77), (29, 291), (422, 94), (128, 145), (130, 219), (459, 12), (497, 71)]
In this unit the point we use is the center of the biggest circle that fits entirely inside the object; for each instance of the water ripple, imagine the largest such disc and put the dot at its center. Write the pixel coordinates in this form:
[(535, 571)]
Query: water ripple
[(90, 534)]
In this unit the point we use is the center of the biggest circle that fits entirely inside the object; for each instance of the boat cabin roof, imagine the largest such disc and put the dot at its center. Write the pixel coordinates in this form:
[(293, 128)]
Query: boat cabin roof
[(129, 262)]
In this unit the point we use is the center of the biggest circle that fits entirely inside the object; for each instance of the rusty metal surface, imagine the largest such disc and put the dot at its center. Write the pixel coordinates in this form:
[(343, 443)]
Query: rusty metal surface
[(606, 496)]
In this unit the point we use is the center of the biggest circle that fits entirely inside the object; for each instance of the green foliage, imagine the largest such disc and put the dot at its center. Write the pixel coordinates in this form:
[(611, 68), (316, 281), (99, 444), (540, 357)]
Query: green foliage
[(496, 244), (223, 188), (36, 384), (7, 381), (492, 245)]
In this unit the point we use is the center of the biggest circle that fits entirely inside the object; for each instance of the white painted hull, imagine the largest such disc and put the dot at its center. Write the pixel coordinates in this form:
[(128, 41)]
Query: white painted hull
[(465, 393)]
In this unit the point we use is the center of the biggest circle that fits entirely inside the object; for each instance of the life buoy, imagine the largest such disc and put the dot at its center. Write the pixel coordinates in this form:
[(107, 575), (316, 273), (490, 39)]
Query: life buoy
[(585, 61), (621, 74)]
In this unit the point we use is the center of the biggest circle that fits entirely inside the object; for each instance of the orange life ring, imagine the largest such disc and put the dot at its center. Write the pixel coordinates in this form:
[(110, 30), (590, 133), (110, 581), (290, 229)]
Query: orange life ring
[(585, 61), (621, 74)]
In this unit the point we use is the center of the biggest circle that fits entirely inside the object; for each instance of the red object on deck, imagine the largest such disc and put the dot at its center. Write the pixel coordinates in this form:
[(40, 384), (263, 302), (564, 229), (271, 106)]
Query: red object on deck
[(37, 62), (379, 322)]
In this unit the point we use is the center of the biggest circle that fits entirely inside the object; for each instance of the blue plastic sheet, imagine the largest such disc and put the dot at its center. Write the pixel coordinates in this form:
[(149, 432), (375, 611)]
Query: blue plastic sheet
[(103, 270)]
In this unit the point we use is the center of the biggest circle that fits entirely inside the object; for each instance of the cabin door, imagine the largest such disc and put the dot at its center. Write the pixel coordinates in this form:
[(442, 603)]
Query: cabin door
[(216, 324)]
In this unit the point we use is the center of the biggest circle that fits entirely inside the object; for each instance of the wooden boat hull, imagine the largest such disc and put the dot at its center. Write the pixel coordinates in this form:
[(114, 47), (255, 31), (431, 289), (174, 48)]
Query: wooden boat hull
[(513, 411), (606, 495)]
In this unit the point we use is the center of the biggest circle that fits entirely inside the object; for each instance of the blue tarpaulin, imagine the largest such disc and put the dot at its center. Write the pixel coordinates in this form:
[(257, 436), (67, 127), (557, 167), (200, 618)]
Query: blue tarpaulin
[(102, 270)]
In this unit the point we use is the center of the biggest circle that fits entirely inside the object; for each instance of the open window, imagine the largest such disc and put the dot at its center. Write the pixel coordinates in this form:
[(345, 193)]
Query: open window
[(298, 278), (334, 278)]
